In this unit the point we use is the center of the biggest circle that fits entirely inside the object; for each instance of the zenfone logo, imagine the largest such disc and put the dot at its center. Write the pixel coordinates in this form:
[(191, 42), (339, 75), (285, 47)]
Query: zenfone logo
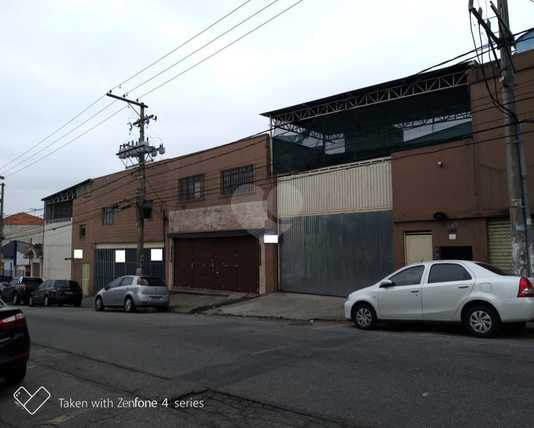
[(31, 402)]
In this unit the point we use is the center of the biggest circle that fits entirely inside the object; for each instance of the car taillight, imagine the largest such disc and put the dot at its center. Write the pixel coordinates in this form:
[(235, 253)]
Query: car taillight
[(525, 288), (13, 321)]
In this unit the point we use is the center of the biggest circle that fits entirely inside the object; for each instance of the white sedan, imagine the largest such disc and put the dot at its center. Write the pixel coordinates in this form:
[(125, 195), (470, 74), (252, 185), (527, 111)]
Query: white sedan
[(476, 294)]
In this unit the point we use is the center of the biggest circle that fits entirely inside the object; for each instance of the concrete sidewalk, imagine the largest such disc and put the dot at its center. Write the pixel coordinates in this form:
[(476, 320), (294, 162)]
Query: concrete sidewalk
[(190, 301), (287, 306)]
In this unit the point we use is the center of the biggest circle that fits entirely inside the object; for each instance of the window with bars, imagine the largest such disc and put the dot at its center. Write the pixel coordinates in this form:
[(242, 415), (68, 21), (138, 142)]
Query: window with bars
[(237, 180), (191, 188), (108, 215)]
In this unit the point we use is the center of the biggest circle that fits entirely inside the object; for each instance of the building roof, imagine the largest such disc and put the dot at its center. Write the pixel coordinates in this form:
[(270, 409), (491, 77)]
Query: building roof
[(66, 194), (22, 219), (325, 104)]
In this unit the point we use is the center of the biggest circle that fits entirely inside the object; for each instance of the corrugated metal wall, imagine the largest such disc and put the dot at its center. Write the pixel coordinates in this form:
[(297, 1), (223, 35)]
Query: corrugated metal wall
[(106, 270), (356, 187), (337, 253), (337, 229)]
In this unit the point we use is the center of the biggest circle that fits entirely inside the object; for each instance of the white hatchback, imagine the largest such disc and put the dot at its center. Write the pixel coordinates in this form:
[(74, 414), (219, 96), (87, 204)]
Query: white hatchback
[(476, 294)]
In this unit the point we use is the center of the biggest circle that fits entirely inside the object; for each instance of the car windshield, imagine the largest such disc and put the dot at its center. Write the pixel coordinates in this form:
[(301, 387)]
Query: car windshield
[(493, 269), (151, 281)]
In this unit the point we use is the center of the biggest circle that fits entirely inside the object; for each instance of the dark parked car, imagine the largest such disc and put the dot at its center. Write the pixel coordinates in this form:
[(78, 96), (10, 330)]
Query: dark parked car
[(14, 344), (5, 278), (21, 289), (57, 291)]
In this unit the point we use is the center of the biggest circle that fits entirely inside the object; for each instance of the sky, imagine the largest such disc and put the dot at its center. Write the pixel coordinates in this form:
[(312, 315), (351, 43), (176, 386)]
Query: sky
[(59, 56)]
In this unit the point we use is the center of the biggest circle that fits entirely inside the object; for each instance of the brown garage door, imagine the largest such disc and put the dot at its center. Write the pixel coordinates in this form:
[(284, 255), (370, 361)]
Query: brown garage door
[(217, 263)]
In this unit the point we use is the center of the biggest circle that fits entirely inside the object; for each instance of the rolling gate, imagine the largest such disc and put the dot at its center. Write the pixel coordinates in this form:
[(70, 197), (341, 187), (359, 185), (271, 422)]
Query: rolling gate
[(229, 263), (106, 269), (336, 228)]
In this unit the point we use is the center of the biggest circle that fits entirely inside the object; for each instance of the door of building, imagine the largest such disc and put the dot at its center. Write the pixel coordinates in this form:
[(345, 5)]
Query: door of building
[(229, 263), (417, 247), (499, 244)]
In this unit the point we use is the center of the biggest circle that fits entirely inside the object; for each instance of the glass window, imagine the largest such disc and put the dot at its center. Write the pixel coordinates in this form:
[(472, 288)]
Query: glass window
[(492, 268), (62, 284), (115, 282), (152, 281), (73, 285), (191, 188), (447, 272), (237, 180), (108, 215), (83, 231), (127, 280), (410, 276)]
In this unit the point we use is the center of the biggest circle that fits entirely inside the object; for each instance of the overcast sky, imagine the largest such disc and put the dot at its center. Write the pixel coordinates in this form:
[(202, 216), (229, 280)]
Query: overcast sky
[(59, 56)]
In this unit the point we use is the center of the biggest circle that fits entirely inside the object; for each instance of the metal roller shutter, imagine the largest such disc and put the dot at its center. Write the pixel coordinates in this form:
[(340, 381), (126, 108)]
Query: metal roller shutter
[(499, 244)]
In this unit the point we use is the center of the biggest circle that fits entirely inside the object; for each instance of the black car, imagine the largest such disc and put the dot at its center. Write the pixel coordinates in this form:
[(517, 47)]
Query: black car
[(14, 344), (20, 289), (5, 278), (57, 291)]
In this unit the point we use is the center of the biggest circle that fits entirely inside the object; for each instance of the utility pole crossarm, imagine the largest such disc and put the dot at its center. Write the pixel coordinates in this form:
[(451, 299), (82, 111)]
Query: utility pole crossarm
[(139, 152)]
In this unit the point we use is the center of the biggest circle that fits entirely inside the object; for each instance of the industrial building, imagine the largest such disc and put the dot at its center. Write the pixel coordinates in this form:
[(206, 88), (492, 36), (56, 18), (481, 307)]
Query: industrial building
[(407, 170)]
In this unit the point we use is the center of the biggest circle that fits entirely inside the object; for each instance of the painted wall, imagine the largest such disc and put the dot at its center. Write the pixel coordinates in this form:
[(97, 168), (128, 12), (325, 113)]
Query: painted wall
[(57, 247)]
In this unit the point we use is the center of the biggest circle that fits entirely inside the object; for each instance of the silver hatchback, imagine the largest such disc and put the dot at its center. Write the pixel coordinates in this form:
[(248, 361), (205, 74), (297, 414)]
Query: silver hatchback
[(132, 291)]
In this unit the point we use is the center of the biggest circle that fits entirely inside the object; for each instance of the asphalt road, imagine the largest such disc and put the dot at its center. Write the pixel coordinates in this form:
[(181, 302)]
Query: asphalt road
[(250, 372)]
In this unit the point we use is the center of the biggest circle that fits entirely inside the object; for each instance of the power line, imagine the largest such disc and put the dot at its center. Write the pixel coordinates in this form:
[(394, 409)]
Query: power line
[(143, 69), (164, 83)]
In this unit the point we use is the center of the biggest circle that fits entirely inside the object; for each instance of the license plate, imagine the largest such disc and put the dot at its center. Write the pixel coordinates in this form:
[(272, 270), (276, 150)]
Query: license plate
[(156, 297)]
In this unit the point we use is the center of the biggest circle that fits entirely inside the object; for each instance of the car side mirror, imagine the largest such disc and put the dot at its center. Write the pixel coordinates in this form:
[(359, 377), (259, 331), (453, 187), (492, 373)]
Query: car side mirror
[(387, 283)]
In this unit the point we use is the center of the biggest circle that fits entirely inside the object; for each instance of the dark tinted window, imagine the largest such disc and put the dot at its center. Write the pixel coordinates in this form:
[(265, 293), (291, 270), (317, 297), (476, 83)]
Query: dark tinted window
[(32, 281), (447, 272), (410, 276), (493, 269), (151, 281), (61, 284), (115, 282), (237, 180), (73, 285), (127, 280), (191, 188)]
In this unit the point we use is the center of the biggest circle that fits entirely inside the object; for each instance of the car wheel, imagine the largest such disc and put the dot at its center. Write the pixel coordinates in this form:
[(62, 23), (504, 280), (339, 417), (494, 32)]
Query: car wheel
[(482, 321), (16, 375), (16, 299), (78, 303), (46, 302), (364, 316), (99, 304), (129, 305)]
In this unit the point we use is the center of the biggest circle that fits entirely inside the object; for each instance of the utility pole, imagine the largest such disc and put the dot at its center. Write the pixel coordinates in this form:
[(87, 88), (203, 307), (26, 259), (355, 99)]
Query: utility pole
[(520, 220), (2, 185), (141, 151)]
